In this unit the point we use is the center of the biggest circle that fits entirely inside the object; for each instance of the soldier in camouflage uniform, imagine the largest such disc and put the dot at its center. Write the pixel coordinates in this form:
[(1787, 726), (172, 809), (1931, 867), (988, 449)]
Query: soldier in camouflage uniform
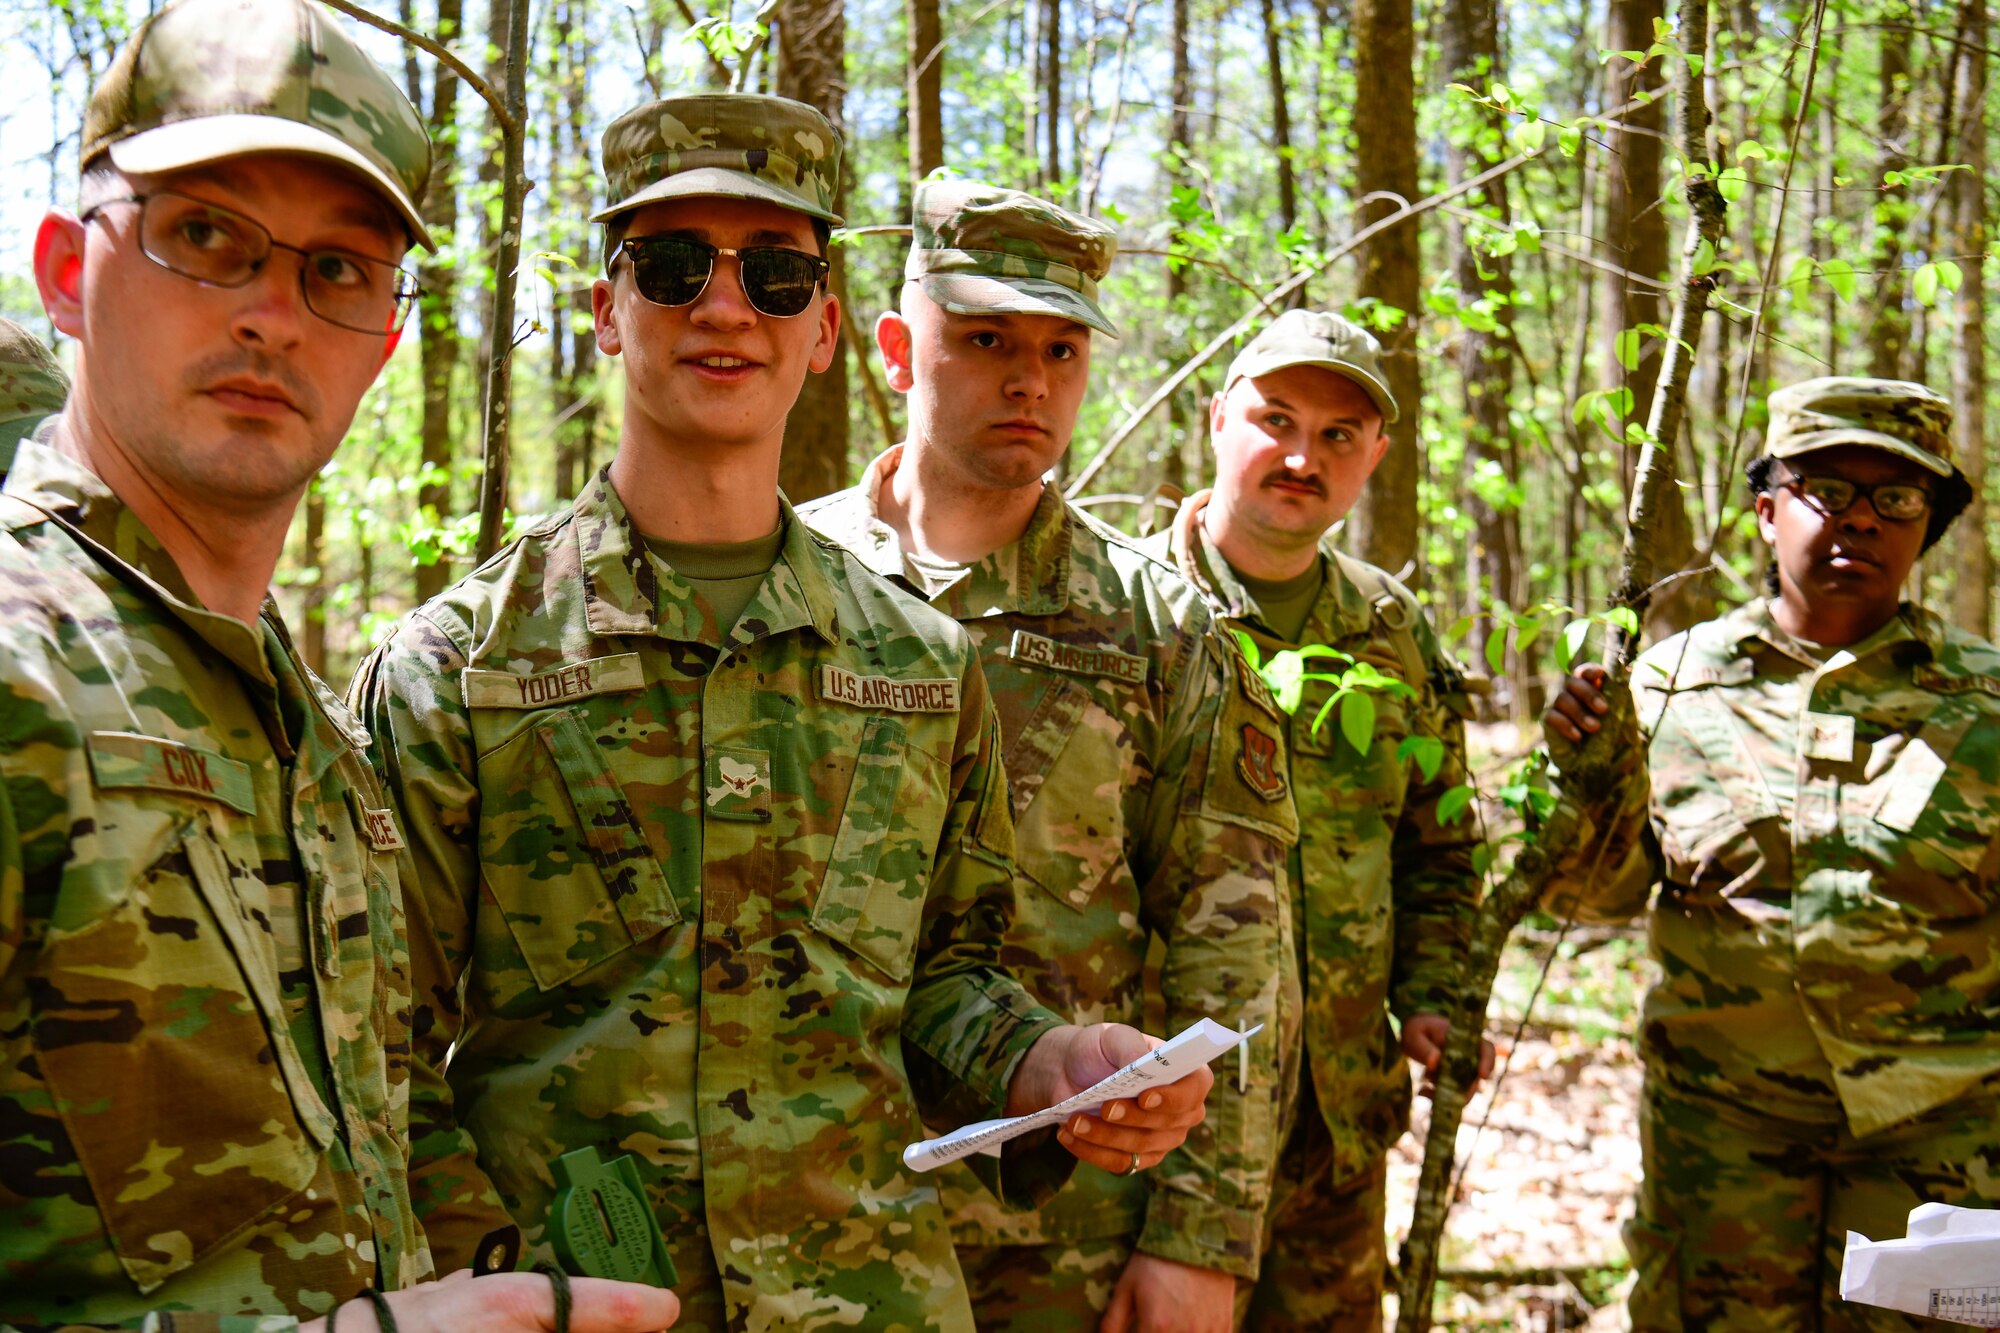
[(1124, 731), (204, 970), (32, 388), (711, 821), (1383, 894), (1817, 797)]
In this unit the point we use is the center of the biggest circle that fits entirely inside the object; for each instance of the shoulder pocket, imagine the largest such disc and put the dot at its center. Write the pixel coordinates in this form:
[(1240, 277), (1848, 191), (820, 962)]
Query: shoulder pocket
[(1069, 815), (168, 991), (562, 854), (879, 873)]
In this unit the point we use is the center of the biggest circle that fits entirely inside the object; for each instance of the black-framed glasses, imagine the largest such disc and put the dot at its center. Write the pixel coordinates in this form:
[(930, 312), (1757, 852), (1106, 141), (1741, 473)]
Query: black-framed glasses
[(221, 247), (1892, 501), (672, 270)]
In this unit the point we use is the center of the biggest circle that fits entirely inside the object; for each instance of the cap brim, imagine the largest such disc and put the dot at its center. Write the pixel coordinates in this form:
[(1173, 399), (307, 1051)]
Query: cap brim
[(715, 183), (205, 139), (975, 294), (1813, 441), (1378, 392)]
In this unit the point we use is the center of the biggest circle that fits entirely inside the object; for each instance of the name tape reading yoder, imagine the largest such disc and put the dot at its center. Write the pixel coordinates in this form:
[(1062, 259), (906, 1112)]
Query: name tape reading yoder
[(1192, 1048)]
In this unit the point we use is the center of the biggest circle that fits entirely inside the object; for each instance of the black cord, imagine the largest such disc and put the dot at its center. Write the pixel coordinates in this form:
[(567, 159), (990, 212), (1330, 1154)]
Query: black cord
[(383, 1314), (560, 1281)]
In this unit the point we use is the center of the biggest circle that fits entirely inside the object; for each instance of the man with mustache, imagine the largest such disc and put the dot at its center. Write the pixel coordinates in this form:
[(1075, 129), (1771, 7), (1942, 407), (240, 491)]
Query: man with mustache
[(1383, 894), (1139, 763), (204, 966), (711, 819)]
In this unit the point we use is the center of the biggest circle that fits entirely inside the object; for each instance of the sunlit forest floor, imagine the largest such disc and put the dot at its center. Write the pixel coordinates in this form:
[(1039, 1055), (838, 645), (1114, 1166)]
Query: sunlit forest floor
[(1532, 1243)]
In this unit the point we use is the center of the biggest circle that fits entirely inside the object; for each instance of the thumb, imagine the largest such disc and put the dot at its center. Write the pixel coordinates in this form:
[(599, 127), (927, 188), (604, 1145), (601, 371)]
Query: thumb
[(1118, 1045)]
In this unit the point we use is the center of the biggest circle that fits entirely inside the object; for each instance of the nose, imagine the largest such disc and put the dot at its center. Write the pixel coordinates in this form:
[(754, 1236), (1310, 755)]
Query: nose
[(1861, 515), (1028, 380), (271, 309), (723, 304)]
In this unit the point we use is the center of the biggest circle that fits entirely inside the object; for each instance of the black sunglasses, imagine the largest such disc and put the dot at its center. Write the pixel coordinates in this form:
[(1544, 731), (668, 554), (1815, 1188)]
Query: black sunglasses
[(671, 270)]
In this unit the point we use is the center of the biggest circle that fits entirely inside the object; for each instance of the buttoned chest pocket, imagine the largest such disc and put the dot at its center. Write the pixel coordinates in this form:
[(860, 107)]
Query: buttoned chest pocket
[(878, 874), (1935, 817), (562, 854), (158, 1024), (1066, 774)]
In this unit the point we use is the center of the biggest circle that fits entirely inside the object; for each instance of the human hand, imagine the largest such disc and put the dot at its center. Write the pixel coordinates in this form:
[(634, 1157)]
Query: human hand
[(1157, 1295), (1578, 706), (1122, 1136), (1424, 1036), (513, 1303)]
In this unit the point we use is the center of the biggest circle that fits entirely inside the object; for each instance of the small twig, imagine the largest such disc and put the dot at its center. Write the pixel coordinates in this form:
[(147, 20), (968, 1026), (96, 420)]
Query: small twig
[(748, 58)]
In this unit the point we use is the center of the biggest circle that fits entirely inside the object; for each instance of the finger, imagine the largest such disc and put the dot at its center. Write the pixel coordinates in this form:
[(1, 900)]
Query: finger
[(1561, 726), (603, 1306), (1118, 1315), (1189, 1090), (1577, 711), (1593, 673), (1119, 1142)]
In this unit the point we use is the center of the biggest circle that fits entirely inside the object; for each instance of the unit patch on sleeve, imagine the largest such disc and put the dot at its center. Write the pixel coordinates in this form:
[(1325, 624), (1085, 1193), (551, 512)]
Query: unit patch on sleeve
[(1260, 764), (559, 684), (1038, 651), (885, 693)]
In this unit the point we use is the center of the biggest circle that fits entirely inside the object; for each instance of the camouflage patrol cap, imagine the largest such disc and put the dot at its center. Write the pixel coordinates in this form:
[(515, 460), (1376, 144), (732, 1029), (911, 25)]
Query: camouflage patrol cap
[(981, 250), (1895, 416), (723, 145), (1317, 338), (206, 80), (32, 384)]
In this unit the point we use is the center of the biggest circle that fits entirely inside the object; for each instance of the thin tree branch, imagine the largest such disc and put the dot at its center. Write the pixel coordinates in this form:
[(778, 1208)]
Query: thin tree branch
[(444, 55)]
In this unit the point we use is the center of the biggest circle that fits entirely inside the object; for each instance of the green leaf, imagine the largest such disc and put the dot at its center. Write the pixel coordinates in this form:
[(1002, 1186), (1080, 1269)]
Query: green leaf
[(1571, 643), (1482, 858), (1625, 618), (1249, 647), (1750, 150), (1626, 348), (1704, 256), (1950, 275), (1453, 803), (1427, 751), (1496, 649), (1925, 285), (1839, 275), (1357, 719), (1529, 136), (1732, 182), (1569, 139)]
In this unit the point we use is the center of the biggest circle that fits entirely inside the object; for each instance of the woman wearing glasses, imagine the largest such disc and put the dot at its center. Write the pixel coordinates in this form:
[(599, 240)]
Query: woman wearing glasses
[(1817, 802)]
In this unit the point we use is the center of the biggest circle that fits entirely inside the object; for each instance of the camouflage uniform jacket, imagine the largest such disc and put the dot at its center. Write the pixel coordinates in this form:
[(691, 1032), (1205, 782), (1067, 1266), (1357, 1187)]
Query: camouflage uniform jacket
[(1121, 718), (1823, 831), (204, 977), (1385, 899), (716, 901)]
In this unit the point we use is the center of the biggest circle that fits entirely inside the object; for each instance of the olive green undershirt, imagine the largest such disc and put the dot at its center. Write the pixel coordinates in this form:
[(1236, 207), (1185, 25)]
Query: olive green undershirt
[(1287, 604), (933, 576), (725, 574)]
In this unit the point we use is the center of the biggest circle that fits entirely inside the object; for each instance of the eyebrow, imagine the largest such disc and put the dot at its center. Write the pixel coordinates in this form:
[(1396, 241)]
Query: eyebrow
[(762, 236), (1274, 400)]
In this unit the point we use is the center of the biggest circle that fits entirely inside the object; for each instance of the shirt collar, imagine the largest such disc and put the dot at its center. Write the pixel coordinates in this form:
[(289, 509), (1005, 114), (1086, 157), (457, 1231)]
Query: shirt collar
[(1341, 611), (78, 500), (629, 590)]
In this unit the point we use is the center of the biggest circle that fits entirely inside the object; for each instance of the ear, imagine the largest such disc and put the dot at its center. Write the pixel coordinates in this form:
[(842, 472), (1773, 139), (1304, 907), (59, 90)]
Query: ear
[(604, 317), (829, 335), (1381, 448), (59, 250), (1216, 411), (892, 340), (1766, 506)]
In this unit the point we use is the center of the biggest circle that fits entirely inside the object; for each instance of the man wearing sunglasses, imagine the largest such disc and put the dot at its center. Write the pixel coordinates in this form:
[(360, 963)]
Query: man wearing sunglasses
[(1146, 775), (204, 968), (711, 819)]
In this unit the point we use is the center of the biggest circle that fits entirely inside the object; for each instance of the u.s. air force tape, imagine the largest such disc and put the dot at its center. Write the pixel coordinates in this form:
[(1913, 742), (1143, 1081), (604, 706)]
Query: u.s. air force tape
[(887, 693)]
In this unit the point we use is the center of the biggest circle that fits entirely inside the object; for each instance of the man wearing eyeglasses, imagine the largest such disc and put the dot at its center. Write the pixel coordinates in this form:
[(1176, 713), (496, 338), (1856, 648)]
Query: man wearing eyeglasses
[(711, 819), (204, 968), (1132, 755)]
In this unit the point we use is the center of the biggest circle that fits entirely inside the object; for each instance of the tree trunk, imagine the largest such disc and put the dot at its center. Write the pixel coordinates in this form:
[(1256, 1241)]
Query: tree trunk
[(1889, 325), (1972, 597), (1052, 98), (1470, 38), (497, 414), (1383, 528), (812, 57), (312, 641), (1281, 118), (1174, 452), (572, 342), (924, 88), (438, 349)]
